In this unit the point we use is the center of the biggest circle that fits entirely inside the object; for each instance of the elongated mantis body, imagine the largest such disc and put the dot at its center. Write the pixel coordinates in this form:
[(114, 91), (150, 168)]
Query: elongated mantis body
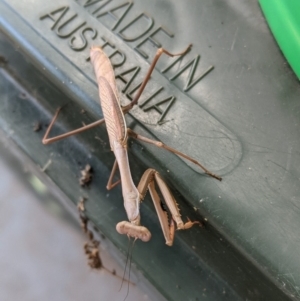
[(118, 134)]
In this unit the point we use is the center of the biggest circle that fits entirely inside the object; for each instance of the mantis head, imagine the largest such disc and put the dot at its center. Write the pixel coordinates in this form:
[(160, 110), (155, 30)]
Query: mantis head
[(134, 231)]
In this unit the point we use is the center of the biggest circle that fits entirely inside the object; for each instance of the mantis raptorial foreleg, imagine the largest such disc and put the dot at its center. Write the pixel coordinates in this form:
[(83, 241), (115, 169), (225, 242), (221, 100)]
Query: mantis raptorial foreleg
[(147, 182)]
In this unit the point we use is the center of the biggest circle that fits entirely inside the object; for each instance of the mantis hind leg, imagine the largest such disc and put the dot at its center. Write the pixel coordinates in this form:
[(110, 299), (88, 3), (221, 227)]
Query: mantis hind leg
[(158, 54), (47, 140)]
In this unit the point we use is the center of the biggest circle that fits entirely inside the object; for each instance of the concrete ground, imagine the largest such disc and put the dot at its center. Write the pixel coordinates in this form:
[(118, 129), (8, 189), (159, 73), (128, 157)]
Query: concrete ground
[(41, 255)]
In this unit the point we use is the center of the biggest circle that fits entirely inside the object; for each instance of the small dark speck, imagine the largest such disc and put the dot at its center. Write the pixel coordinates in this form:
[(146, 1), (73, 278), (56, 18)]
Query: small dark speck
[(37, 127), (3, 61), (222, 22), (23, 95), (86, 176)]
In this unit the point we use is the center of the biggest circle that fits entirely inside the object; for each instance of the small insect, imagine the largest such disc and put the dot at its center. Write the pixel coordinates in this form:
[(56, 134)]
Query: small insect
[(118, 134)]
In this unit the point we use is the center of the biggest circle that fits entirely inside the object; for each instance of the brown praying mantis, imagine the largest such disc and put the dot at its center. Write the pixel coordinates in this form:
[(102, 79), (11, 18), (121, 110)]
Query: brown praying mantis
[(118, 134)]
